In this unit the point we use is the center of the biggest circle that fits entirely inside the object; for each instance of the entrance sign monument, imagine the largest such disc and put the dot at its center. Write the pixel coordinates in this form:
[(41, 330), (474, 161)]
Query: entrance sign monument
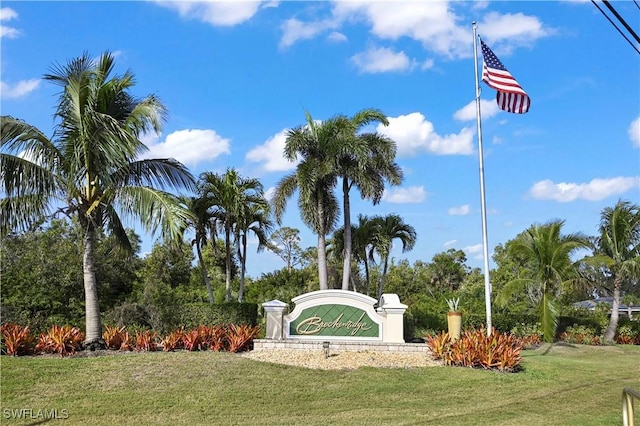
[(338, 316)]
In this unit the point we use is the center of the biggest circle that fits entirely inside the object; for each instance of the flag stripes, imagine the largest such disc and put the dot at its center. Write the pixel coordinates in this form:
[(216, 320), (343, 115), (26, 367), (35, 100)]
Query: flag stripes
[(510, 96)]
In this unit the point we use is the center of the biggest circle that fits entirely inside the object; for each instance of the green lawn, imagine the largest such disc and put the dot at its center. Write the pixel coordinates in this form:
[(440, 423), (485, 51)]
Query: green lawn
[(560, 385)]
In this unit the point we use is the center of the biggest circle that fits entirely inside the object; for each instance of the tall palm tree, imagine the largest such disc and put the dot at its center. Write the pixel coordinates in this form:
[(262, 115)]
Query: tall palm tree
[(365, 161), (547, 254), (314, 179), (385, 230), (253, 216), (203, 225), (226, 195), (88, 169), (617, 252)]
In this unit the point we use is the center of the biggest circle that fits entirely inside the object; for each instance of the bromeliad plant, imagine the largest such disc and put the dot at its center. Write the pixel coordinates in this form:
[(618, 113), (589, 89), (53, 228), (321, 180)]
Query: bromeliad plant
[(64, 340), (476, 349), (146, 341), (17, 340), (239, 336)]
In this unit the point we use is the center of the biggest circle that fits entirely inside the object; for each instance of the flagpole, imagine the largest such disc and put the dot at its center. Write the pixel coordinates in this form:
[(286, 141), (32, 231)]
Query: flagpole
[(483, 207)]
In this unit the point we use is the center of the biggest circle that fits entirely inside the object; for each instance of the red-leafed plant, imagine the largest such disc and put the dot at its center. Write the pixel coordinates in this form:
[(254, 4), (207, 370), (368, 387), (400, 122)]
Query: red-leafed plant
[(114, 337), (476, 349), (65, 340), (146, 341), (17, 340), (128, 342), (213, 337), (173, 340), (192, 340), (440, 345), (239, 337)]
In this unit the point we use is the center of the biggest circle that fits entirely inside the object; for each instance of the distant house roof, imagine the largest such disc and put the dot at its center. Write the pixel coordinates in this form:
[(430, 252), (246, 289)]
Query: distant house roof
[(591, 304)]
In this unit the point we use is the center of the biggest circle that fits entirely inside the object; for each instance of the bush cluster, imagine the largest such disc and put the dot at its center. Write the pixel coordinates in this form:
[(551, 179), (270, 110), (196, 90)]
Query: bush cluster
[(476, 349)]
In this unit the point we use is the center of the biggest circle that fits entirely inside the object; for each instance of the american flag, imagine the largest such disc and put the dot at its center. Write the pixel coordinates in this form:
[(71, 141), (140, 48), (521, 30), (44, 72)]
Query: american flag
[(510, 96)]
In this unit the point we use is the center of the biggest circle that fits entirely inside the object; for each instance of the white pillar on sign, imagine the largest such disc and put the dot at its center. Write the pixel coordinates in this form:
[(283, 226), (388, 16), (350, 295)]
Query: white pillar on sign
[(393, 311), (275, 319)]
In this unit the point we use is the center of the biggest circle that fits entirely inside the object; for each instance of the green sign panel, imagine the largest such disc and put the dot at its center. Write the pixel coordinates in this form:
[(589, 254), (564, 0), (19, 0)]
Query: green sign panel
[(334, 320)]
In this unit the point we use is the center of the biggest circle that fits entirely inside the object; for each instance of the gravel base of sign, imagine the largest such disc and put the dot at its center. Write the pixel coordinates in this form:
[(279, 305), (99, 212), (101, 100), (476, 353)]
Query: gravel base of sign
[(343, 360)]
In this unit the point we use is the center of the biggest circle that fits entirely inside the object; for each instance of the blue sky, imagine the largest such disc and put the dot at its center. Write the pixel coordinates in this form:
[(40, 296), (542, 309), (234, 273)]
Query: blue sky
[(235, 76)]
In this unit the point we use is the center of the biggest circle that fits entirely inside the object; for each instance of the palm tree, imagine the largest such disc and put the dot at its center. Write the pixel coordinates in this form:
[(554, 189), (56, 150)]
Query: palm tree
[(617, 253), (547, 255), (363, 237), (225, 196), (314, 179), (365, 161), (88, 169), (253, 216), (385, 230), (203, 225)]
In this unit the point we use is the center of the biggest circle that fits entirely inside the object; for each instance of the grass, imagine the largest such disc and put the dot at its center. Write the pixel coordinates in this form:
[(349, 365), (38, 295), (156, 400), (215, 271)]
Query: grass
[(560, 385)]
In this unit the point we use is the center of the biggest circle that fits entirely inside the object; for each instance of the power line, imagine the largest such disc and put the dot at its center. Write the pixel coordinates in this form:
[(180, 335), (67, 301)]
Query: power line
[(636, 3), (622, 21), (616, 27)]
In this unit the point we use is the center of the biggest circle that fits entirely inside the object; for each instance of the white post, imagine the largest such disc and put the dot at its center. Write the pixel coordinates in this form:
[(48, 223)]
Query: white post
[(483, 207), (393, 312), (275, 319)]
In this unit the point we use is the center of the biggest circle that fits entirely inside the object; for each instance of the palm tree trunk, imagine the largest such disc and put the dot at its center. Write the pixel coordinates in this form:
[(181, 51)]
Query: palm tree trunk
[(205, 274), (243, 262), (93, 332), (322, 262), (322, 250), (366, 275), (610, 333), (383, 278), (227, 244), (346, 267)]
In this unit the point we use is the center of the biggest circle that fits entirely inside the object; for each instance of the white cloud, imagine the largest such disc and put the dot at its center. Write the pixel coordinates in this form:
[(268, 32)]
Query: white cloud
[(337, 37), (216, 13), (413, 133), (473, 249), (595, 190), (378, 60), (450, 243), (19, 89), (516, 29), (436, 25), (271, 153), (412, 194), (190, 147), (294, 30), (468, 112), (634, 132), (268, 194), (475, 252), (431, 23), (7, 14), (460, 210)]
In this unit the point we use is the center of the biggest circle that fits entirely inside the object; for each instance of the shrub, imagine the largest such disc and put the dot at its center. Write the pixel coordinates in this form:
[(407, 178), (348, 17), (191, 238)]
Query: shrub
[(530, 335), (240, 336), (64, 340), (500, 351), (17, 340), (582, 335), (146, 341), (213, 337), (627, 336), (192, 340), (193, 315), (173, 340), (114, 337)]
